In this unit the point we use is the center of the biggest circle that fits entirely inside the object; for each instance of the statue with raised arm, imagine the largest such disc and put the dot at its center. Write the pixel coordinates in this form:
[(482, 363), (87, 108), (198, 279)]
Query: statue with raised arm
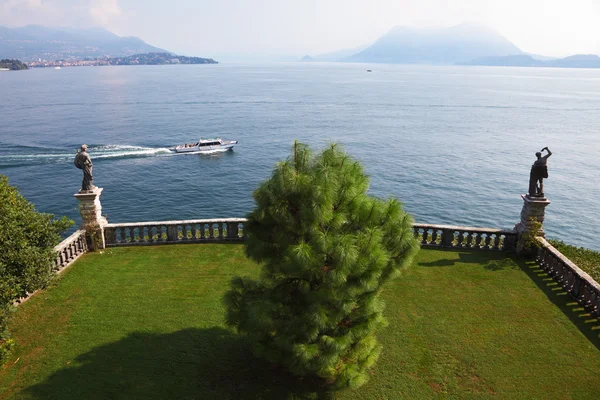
[(539, 171), (84, 163)]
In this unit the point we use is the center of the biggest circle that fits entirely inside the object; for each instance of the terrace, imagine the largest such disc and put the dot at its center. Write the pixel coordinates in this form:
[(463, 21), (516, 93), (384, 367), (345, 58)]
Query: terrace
[(148, 322)]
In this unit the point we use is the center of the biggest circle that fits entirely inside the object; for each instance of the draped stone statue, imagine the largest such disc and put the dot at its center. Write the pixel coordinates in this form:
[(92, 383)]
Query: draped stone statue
[(84, 163), (539, 171)]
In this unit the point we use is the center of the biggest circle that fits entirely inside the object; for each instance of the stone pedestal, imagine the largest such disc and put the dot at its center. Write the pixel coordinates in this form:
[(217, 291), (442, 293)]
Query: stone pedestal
[(533, 211), (92, 220)]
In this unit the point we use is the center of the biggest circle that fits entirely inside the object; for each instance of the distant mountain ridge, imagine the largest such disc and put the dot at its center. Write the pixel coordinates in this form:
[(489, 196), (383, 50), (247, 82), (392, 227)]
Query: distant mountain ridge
[(460, 43), (575, 61), (28, 43)]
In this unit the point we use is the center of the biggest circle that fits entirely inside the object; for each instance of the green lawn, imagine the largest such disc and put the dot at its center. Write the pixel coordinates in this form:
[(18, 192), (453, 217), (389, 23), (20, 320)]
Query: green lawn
[(147, 323)]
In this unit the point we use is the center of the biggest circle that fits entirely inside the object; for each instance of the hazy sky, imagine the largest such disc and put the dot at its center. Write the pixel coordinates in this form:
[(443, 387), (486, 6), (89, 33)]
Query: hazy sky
[(298, 27)]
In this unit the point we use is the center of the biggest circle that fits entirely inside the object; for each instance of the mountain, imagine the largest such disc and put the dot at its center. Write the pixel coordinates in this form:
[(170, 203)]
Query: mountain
[(34, 41), (307, 58), (521, 60), (459, 43), (576, 61), (339, 55)]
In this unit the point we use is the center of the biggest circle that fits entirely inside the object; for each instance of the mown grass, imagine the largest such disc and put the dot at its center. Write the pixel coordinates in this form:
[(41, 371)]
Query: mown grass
[(148, 323)]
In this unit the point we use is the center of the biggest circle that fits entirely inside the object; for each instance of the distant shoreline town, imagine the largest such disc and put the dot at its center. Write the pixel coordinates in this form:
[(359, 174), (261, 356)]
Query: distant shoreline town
[(136, 59)]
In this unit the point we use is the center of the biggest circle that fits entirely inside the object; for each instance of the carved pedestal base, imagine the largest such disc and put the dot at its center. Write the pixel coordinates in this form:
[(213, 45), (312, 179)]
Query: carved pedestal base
[(92, 220), (533, 212)]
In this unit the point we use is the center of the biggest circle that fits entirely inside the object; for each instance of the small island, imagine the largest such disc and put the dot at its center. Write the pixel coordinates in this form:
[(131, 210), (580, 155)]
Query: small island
[(12, 65)]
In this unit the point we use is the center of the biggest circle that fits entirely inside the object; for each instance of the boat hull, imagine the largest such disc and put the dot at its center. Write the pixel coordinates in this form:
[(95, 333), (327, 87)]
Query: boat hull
[(206, 149)]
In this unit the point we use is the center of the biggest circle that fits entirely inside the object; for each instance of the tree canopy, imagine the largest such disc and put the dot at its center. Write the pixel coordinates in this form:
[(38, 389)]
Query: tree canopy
[(326, 249), (12, 64), (27, 240)]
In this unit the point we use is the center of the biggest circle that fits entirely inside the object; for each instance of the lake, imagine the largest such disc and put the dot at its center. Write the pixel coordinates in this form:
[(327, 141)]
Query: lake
[(454, 144)]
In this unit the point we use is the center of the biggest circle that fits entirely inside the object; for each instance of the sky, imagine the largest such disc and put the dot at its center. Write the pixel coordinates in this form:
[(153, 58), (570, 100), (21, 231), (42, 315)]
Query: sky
[(264, 28)]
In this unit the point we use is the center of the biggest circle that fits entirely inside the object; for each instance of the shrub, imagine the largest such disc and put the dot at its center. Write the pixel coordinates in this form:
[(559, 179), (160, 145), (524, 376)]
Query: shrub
[(27, 239), (326, 249), (586, 259)]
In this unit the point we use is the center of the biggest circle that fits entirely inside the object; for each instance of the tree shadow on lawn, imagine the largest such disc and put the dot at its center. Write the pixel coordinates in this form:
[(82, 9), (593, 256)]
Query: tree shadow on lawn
[(587, 324), (202, 364), (496, 260)]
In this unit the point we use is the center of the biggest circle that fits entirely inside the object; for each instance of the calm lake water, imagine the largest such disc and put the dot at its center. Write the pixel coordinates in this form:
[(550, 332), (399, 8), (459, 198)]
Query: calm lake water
[(454, 144)]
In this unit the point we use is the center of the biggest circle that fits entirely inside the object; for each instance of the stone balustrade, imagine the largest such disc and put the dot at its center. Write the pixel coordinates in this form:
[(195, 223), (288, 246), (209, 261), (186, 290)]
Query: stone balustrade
[(448, 236), (67, 252), (70, 249), (171, 232), (581, 286)]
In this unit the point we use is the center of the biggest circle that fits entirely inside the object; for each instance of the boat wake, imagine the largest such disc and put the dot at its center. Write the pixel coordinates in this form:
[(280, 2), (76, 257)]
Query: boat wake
[(97, 152), (117, 151)]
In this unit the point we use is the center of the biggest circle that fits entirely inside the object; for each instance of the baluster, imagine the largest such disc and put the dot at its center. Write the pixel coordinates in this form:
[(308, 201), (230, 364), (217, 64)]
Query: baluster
[(488, 240), (469, 240), (172, 233), (574, 284), (202, 231), (434, 236), (496, 242), (425, 234), (112, 239), (211, 231), (132, 234), (461, 238), (122, 235), (478, 240), (220, 228), (184, 232), (447, 238), (194, 232), (416, 231)]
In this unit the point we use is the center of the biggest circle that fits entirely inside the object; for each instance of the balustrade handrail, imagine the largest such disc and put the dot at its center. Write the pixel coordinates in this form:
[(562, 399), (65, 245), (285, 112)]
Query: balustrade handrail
[(242, 220), (176, 222), (69, 240)]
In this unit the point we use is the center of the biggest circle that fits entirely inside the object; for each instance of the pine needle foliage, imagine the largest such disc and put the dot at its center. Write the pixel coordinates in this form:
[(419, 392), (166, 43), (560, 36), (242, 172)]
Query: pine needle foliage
[(326, 249)]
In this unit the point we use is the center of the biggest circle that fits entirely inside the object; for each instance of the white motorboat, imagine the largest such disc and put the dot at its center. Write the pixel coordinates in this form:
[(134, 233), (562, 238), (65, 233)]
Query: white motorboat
[(206, 146)]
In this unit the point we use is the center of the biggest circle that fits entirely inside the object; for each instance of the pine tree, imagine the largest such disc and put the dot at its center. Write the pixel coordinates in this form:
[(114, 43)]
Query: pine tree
[(326, 250)]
